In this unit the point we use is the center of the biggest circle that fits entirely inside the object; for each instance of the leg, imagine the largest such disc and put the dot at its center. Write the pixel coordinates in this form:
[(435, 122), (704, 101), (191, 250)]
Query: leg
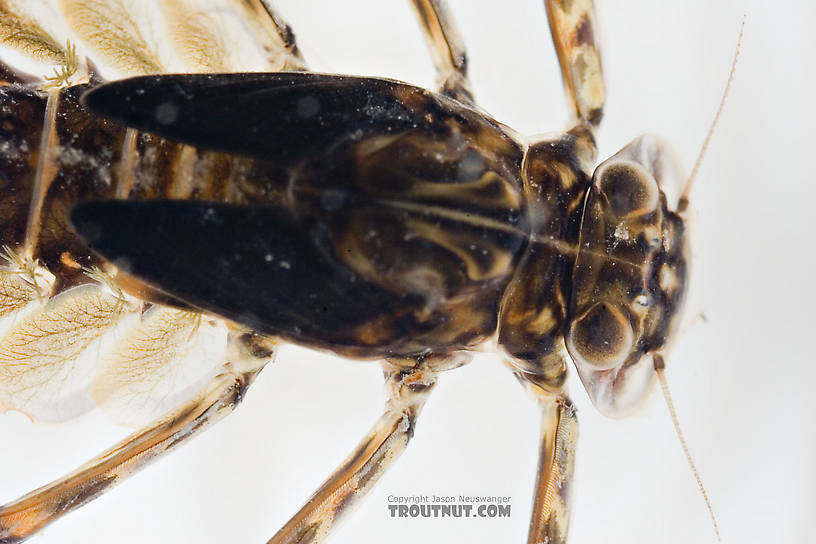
[(572, 25), (45, 173), (447, 49), (68, 74), (30, 513), (408, 388), (284, 32), (559, 433)]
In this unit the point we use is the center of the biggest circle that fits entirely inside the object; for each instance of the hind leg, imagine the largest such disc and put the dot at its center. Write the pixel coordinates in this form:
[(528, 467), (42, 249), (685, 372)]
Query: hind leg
[(408, 384), (25, 516)]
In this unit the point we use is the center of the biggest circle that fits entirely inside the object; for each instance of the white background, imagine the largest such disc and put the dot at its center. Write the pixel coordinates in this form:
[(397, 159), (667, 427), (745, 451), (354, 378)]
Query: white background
[(741, 377)]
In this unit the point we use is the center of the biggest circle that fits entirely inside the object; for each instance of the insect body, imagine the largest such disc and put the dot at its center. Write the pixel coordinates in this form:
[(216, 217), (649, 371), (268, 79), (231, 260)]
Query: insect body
[(363, 216)]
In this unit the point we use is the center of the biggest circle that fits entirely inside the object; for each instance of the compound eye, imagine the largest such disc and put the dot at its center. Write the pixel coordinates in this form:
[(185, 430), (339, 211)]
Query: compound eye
[(629, 189), (602, 337)]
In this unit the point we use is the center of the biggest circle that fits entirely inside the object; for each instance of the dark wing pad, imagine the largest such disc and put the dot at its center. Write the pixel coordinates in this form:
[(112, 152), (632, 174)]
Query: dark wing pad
[(254, 265), (283, 117)]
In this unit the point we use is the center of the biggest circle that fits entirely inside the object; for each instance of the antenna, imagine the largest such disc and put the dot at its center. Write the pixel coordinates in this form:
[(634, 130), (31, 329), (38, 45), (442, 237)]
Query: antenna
[(682, 205), (660, 366)]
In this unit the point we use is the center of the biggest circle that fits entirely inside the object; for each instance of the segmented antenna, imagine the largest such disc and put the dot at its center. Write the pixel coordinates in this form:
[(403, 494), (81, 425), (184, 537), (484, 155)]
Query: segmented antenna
[(659, 366), (682, 205)]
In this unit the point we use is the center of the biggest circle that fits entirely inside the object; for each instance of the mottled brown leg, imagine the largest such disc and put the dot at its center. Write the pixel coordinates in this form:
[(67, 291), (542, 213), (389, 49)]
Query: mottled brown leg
[(22, 518), (408, 388), (127, 164), (447, 48), (572, 25), (278, 30), (44, 174), (559, 433)]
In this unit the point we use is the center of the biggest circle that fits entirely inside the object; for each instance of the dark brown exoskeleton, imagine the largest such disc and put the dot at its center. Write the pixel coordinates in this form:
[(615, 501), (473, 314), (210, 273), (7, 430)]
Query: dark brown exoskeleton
[(363, 216)]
